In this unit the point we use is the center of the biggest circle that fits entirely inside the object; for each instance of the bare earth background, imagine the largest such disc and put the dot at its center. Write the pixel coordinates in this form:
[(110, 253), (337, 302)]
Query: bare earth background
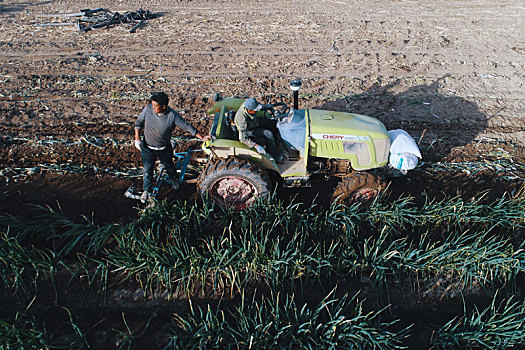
[(455, 68), (68, 99)]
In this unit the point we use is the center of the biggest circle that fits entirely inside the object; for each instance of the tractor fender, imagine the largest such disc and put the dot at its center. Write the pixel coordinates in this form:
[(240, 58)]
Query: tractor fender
[(230, 104), (223, 148)]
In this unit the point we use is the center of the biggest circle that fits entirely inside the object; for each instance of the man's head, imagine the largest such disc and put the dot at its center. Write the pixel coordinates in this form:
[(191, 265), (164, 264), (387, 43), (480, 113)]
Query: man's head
[(252, 105), (159, 102)]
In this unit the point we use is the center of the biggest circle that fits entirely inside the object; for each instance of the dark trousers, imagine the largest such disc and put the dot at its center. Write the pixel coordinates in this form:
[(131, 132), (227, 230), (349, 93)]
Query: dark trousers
[(266, 138), (149, 157), (267, 135)]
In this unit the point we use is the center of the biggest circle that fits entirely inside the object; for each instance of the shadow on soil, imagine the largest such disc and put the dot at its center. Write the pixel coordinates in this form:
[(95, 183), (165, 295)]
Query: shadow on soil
[(21, 6), (449, 121), (445, 126)]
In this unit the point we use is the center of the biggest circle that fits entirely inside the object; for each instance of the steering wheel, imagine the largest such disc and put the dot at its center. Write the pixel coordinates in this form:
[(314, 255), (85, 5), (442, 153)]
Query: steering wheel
[(281, 112)]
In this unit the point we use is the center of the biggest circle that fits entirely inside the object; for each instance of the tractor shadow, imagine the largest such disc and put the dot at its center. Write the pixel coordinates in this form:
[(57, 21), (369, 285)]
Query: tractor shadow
[(449, 121), (445, 125)]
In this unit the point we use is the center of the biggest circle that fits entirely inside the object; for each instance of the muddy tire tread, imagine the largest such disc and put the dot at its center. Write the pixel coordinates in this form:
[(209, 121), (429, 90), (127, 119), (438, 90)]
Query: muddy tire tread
[(233, 166), (356, 181)]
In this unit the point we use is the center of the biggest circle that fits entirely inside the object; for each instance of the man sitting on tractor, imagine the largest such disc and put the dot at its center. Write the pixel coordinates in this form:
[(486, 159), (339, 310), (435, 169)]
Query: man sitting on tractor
[(258, 132), (158, 120)]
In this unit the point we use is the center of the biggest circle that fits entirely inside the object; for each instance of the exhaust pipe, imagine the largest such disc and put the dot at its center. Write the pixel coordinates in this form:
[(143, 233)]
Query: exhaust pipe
[(295, 86)]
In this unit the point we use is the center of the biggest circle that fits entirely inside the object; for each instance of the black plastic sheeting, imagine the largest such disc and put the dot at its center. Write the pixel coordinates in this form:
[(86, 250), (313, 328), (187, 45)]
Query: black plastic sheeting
[(103, 18)]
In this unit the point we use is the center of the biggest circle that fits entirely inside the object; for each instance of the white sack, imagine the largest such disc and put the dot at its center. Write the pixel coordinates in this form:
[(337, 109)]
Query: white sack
[(404, 152), (402, 142), (403, 161)]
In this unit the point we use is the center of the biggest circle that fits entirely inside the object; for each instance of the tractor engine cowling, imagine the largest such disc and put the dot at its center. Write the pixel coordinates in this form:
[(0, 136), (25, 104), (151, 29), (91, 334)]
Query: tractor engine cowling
[(362, 140)]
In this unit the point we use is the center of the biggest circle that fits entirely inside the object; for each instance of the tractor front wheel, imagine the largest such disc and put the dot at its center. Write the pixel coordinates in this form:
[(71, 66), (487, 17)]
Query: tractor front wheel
[(233, 183), (358, 188)]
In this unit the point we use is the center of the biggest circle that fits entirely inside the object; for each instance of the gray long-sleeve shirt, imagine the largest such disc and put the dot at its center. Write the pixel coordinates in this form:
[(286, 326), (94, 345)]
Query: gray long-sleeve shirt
[(158, 129)]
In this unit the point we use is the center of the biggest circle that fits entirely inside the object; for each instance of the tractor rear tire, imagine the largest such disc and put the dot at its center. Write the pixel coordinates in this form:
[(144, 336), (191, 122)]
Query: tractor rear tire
[(359, 187), (233, 183)]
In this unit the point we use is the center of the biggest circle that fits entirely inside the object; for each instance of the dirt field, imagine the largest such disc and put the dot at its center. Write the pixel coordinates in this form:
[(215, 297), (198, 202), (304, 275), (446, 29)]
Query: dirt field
[(68, 99), (452, 68)]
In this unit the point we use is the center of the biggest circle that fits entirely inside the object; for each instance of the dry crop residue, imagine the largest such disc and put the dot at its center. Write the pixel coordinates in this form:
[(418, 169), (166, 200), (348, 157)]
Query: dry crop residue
[(68, 99)]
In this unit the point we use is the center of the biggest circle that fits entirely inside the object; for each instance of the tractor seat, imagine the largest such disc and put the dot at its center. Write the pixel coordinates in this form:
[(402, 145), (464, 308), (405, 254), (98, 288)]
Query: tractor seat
[(223, 127)]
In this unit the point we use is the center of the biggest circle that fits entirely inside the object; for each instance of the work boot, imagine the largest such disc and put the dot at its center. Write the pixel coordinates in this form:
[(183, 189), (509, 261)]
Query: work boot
[(144, 197), (175, 184)]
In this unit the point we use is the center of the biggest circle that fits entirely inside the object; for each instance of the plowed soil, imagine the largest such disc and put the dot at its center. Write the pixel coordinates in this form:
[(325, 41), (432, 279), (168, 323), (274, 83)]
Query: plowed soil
[(454, 69), (451, 73)]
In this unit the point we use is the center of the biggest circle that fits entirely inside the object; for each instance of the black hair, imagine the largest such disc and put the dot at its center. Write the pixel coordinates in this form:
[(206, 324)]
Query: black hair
[(160, 97)]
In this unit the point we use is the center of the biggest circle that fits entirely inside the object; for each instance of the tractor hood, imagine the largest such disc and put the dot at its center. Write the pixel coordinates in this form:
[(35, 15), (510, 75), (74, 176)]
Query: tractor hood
[(330, 125), (362, 140)]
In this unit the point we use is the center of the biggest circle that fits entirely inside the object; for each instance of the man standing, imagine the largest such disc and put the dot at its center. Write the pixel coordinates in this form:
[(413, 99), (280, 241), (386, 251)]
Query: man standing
[(257, 132), (158, 120)]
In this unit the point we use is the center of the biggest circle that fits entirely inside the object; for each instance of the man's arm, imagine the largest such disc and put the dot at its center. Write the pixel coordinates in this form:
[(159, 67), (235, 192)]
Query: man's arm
[(139, 125), (244, 138), (137, 139), (202, 138), (184, 125)]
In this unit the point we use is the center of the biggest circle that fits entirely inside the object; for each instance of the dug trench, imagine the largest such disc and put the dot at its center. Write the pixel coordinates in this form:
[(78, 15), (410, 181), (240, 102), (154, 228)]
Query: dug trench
[(84, 305), (83, 178), (85, 186), (110, 311), (449, 73)]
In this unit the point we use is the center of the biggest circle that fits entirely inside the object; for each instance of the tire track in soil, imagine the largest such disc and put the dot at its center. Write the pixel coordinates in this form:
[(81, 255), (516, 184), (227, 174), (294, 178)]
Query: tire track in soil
[(453, 68)]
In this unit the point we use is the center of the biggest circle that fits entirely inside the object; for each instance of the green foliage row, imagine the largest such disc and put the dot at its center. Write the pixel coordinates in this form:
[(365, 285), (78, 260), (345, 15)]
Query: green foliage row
[(279, 322), (179, 246), (182, 248), (28, 333), (498, 326)]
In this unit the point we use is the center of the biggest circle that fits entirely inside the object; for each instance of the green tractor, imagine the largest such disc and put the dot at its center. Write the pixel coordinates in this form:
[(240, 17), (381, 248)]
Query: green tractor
[(317, 142)]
